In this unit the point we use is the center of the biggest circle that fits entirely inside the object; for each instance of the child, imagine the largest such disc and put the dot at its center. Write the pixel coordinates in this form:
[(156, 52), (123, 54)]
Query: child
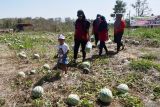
[(63, 50)]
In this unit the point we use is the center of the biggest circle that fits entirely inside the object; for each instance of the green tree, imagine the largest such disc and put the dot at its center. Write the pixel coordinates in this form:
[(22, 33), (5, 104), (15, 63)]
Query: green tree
[(120, 7)]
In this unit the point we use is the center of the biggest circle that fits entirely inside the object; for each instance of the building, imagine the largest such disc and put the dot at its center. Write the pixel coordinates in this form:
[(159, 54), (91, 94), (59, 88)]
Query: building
[(152, 21)]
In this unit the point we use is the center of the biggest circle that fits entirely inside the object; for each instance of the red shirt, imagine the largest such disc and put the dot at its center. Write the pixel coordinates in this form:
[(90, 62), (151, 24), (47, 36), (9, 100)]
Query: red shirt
[(80, 32), (121, 27), (103, 35)]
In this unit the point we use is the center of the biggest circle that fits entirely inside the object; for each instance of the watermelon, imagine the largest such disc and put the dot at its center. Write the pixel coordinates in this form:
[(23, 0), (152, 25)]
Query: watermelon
[(46, 66), (86, 70), (37, 92), (21, 74), (105, 95), (73, 99), (22, 55), (122, 88), (86, 64), (36, 56)]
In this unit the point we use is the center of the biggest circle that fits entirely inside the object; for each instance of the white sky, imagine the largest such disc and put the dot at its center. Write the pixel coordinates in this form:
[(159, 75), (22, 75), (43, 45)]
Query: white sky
[(65, 8)]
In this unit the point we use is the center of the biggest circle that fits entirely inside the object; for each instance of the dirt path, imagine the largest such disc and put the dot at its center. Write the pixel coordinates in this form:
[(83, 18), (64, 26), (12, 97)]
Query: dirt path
[(7, 70)]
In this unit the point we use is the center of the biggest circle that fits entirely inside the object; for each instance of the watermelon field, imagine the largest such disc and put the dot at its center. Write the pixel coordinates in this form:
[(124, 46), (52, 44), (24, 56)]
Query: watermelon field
[(27, 61)]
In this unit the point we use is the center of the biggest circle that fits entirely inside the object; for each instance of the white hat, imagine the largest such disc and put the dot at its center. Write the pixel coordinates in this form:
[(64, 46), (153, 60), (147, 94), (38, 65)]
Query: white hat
[(61, 36)]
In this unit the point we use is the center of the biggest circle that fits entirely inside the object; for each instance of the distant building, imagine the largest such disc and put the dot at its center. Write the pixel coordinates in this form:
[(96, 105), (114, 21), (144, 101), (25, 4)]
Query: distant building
[(152, 21), (20, 26)]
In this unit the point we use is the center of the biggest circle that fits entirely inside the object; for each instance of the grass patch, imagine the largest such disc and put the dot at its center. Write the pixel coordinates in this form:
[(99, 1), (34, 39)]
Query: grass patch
[(2, 102), (131, 101), (156, 92), (41, 103), (149, 57), (86, 103), (25, 40), (130, 78), (144, 65), (145, 33)]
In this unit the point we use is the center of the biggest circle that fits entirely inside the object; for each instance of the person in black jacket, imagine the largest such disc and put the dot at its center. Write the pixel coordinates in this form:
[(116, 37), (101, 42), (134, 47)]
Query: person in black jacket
[(81, 35), (103, 35), (96, 23)]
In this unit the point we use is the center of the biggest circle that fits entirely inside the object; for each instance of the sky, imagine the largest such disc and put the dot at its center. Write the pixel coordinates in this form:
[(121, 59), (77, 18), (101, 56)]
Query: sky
[(64, 8)]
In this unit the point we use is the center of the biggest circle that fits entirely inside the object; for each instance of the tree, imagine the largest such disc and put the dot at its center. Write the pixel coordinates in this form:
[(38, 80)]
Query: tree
[(141, 7), (120, 7)]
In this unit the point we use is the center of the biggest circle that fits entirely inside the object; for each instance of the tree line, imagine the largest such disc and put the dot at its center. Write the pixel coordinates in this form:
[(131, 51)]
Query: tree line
[(40, 24)]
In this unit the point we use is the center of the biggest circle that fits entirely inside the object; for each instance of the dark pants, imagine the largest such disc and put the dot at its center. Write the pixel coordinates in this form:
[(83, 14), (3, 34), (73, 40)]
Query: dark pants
[(96, 39), (76, 48), (102, 45), (117, 39)]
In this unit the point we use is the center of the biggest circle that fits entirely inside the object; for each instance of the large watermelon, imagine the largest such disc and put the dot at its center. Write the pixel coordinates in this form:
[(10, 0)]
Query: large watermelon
[(105, 95), (73, 99)]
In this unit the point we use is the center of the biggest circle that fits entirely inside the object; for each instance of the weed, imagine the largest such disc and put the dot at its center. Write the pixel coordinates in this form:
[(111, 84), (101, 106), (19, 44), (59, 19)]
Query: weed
[(130, 101), (2, 102), (86, 103), (144, 65), (149, 57), (156, 92), (130, 78), (38, 103)]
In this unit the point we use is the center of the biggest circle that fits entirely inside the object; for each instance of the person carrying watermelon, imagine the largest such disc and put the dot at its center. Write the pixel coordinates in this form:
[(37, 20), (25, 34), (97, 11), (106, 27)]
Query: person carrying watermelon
[(81, 36), (119, 26), (103, 35), (96, 23)]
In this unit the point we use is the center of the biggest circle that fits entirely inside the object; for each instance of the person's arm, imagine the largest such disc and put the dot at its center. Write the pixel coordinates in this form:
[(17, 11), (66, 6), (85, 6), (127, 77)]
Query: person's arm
[(75, 24), (65, 55), (88, 26)]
